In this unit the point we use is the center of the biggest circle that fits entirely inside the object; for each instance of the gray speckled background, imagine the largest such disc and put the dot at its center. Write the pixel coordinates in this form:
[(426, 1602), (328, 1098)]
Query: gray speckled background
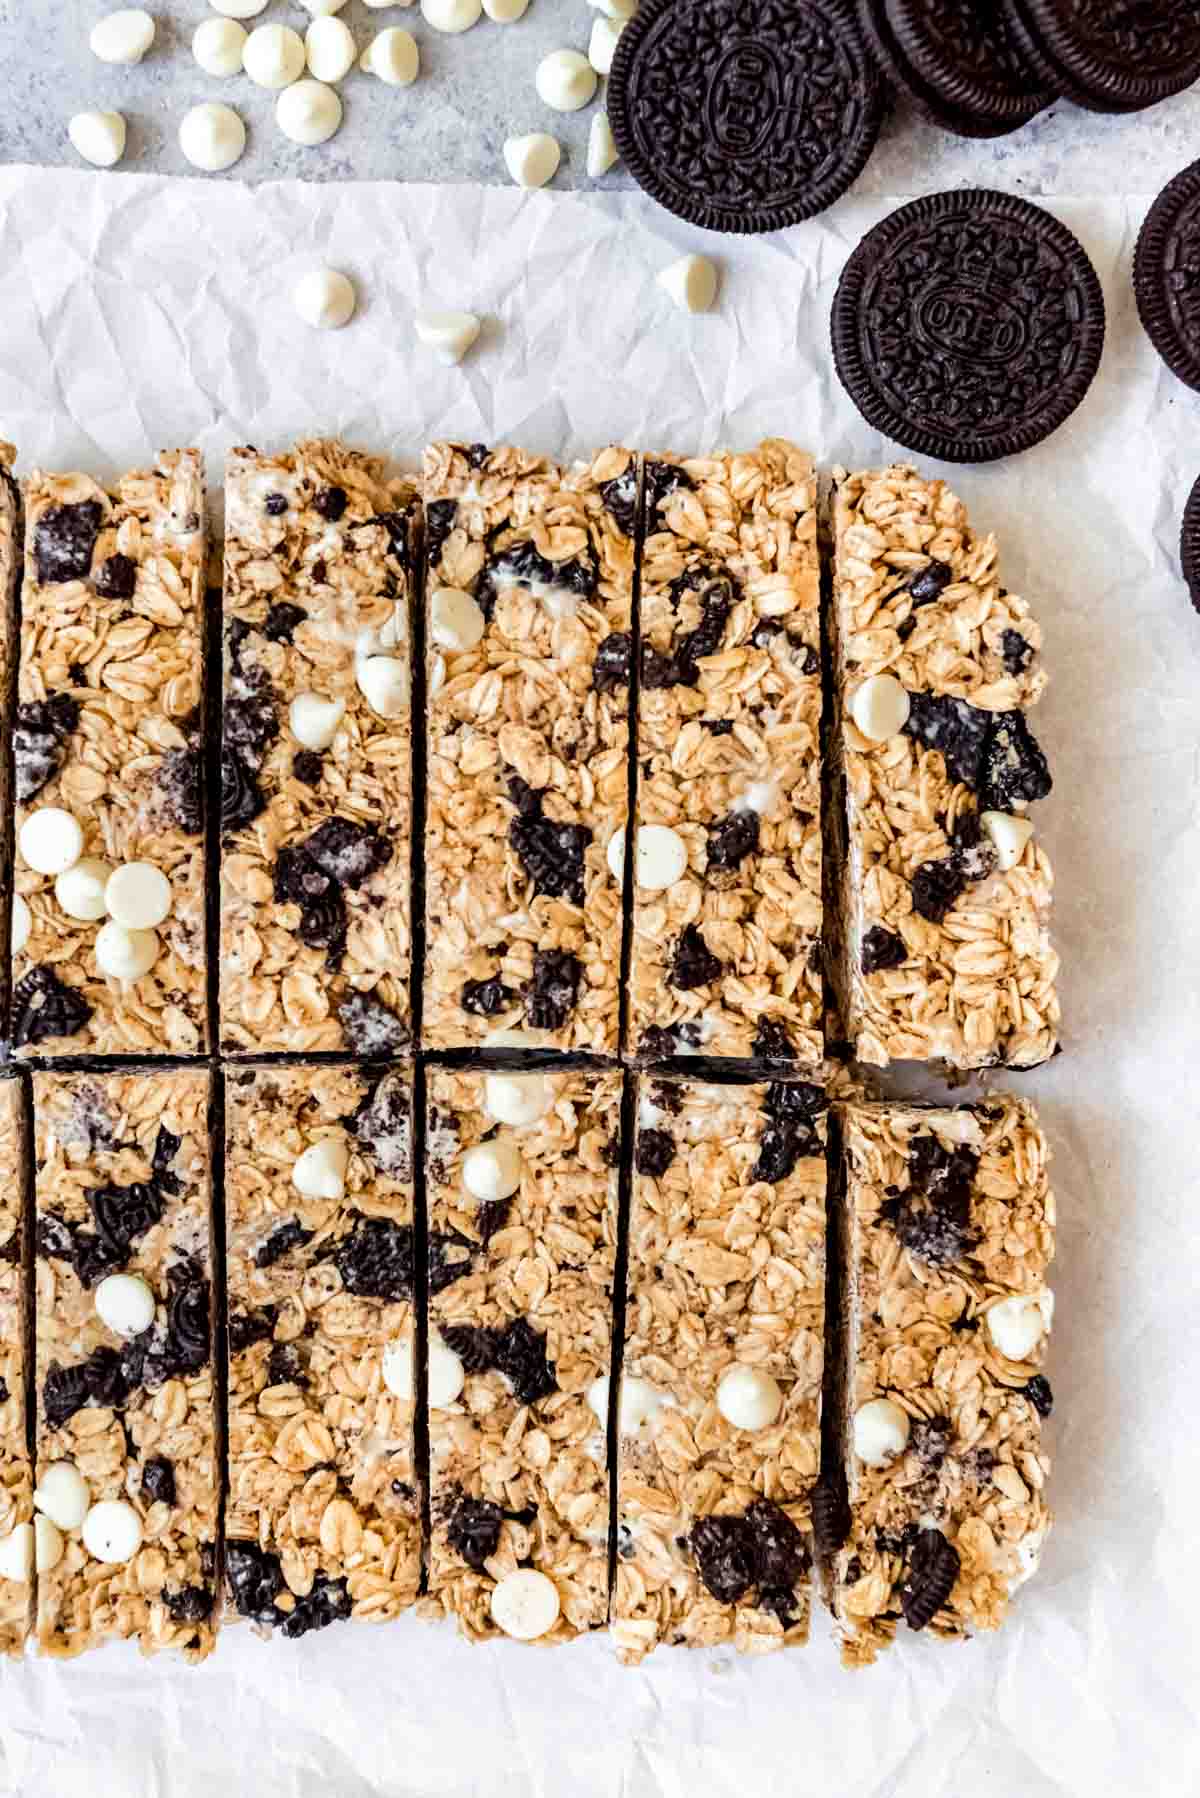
[(476, 89)]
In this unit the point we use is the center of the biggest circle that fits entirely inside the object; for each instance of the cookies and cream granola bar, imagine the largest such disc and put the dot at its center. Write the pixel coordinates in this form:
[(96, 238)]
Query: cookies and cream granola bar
[(949, 1232), (522, 1240), (127, 1461), (16, 1475), (11, 539), (727, 865), (316, 805), (109, 953), (529, 597), (322, 1521), (719, 1412), (947, 953)]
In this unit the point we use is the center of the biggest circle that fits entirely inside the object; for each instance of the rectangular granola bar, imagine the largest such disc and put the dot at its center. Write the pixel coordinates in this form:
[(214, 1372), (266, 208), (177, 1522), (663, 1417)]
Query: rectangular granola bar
[(323, 1516), (522, 1234), (949, 1231), (719, 1415), (108, 748), (530, 584), (16, 1475), (11, 538), (947, 952), (127, 1460), (316, 814), (727, 874)]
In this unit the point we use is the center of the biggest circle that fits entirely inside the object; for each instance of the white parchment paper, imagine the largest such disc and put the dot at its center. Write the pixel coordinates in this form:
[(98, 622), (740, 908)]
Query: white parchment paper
[(140, 312)]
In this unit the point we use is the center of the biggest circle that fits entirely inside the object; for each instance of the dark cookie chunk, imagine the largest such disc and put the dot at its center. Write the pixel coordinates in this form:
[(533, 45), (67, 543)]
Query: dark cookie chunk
[(285, 1365), (241, 796), (64, 538), (620, 500), (718, 595), (932, 1570), (772, 1042), (308, 767), (347, 852), (281, 621), (516, 1351), (1110, 58), (1166, 275), (1014, 771), (158, 1481), (614, 662), (724, 1552), (659, 481), (275, 505), (553, 993), (473, 1531), (551, 854), (933, 1217), (1039, 1395), (376, 1260), (936, 886), (486, 998), (958, 731), (255, 1580), (116, 578), (657, 1044), (248, 1327), (440, 515), (655, 1152), (191, 1604), (882, 949), (694, 963), (100, 1380), (382, 1126), (323, 922), (450, 1257), (1016, 652), (929, 1441), (523, 565), (733, 839), (43, 1008), (760, 1548), (180, 785), (330, 503), (370, 1028), (40, 741), (281, 1242), (396, 524), (928, 585), (789, 1134)]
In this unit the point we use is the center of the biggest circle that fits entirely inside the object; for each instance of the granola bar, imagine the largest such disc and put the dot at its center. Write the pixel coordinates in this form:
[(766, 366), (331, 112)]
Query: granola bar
[(127, 1462), (323, 1516), (719, 1411), (316, 764), (947, 952), (949, 1231), (11, 535), (522, 1232), (108, 746), (530, 580), (727, 870), (16, 1477)]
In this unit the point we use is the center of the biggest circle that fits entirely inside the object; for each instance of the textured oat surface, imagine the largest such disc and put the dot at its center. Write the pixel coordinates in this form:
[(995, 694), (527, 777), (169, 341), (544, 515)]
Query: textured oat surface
[(16, 1483), (977, 987), (123, 1186), (726, 1265), (319, 554), (11, 528), (109, 728), (729, 757), (543, 1260), (323, 1505), (548, 554), (917, 1334)]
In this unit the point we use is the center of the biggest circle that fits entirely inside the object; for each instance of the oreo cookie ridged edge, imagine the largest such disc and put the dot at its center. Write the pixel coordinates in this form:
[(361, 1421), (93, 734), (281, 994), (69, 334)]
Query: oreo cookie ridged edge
[(1160, 280), (934, 106), (1189, 545), (974, 65), (1104, 60)]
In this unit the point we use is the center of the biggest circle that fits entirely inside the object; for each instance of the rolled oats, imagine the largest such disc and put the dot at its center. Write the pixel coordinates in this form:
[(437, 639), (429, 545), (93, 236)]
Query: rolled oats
[(16, 1477), (10, 580)]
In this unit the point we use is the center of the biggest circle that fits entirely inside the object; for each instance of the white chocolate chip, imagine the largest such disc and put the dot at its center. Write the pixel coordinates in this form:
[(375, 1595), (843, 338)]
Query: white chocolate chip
[(239, 9), (314, 721), (525, 1604), (273, 56), (397, 1365), (639, 1404), (614, 855), (320, 1172), (1017, 1325), (125, 1303), (691, 282), (748, 1398), (80, 890), (602, 43), (451, 15), (532, 160), (324, 9), (212, 136), (880, 1431), (880, 708), (125, 954), (602, 150), (99, 137), (62, 1494), (16, 1554), (393, 56), (449, 334), (383, 683), (1007, 835), (22, 923), (505, 12), (138, 895), (456, 622), (308, 112), (447, 1375), (50, 840), (217, 46), (492, 1170), (565, 80), (660, 857), (47, 1543), (324, 298), (329, 48), (123, 36), (112, 1531), (517, 1098)]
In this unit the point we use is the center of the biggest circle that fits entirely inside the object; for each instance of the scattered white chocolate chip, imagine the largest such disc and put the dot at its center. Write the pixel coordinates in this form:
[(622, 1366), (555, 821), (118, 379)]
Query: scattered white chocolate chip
[(880, 708), (525, 1604), (125, 954), (99, 137), (138, 895), (748, 1398), (314, 721), (492, 1170), (123, 36), (880, 1431), (1017, 1325), (80, 890), (217, 45), (639, 1403), (449, 334), (308, 112), (47, 1543), (532, 160), (691, 282), (329, 48), (505, 12), (455, 621), (602, 150), (451, 15), (62, 1494), (660, 857), (22, 923), (602, 43), (383, 683), (1008, 836), (239, 9), (125, 1303), (320, 1172), (324, 298), (273, 56), (565, 80), (16, 1554), (112, 1531), (446, 1372), (212, 136), (517, 1098), (393, 56), (50, 840)]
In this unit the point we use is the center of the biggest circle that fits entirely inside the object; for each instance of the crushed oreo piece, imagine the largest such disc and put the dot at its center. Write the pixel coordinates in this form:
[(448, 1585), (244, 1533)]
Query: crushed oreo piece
[(882, 949), (43, 1008), (932, 1570), (553, 992), (64, 539), (116, 578), (40, 736), (693, 964), (655, 1152), (281, 1242)]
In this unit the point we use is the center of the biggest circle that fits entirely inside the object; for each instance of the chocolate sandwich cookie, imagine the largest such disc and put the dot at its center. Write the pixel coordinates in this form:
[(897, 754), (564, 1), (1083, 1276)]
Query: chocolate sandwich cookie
[(744, 115), (1110, 57), (968, 325), (966, 58), (1166, 275), (1189, 544)]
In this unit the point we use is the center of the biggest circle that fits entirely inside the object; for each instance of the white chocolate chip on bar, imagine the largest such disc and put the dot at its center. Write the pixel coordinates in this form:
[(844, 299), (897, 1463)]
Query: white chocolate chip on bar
[(329, 48), (99, 137), (22, 923), (383, 683), (393, 56), (212, 137), (308, 112), (397, 1365), (492, 1171), (324, 298), (314, 721), (602, 150), (748, 1398), (1017, 1325), (125, 954), (138, 896), (63, 1495), (217, 45), (50, 840), (449, 334), (505, 12), (880, 1431), (532, 160), (602, 43), (451, 15), (112, 1531), (123, 36), (525, 1604), (80, 890), (125, 1303), (320, 1172), (880, 708), (565, 80), (456, 622), (1008, 836), (639, 1404), (16, 1554), (517, 1098), (446, 1378), (660, 857), (48, 1544), (691, 282), (273, 56)]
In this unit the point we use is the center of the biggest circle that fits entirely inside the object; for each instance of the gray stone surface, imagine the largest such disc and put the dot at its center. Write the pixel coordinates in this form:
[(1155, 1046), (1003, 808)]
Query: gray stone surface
[(476, 89)]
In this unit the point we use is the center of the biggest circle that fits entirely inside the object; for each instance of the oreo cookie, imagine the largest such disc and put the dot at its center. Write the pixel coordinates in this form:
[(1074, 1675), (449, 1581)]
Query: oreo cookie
[(1189, 544), (1110, 58), (968, 325), (964, 65), (1166, 275), (744, 115)]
